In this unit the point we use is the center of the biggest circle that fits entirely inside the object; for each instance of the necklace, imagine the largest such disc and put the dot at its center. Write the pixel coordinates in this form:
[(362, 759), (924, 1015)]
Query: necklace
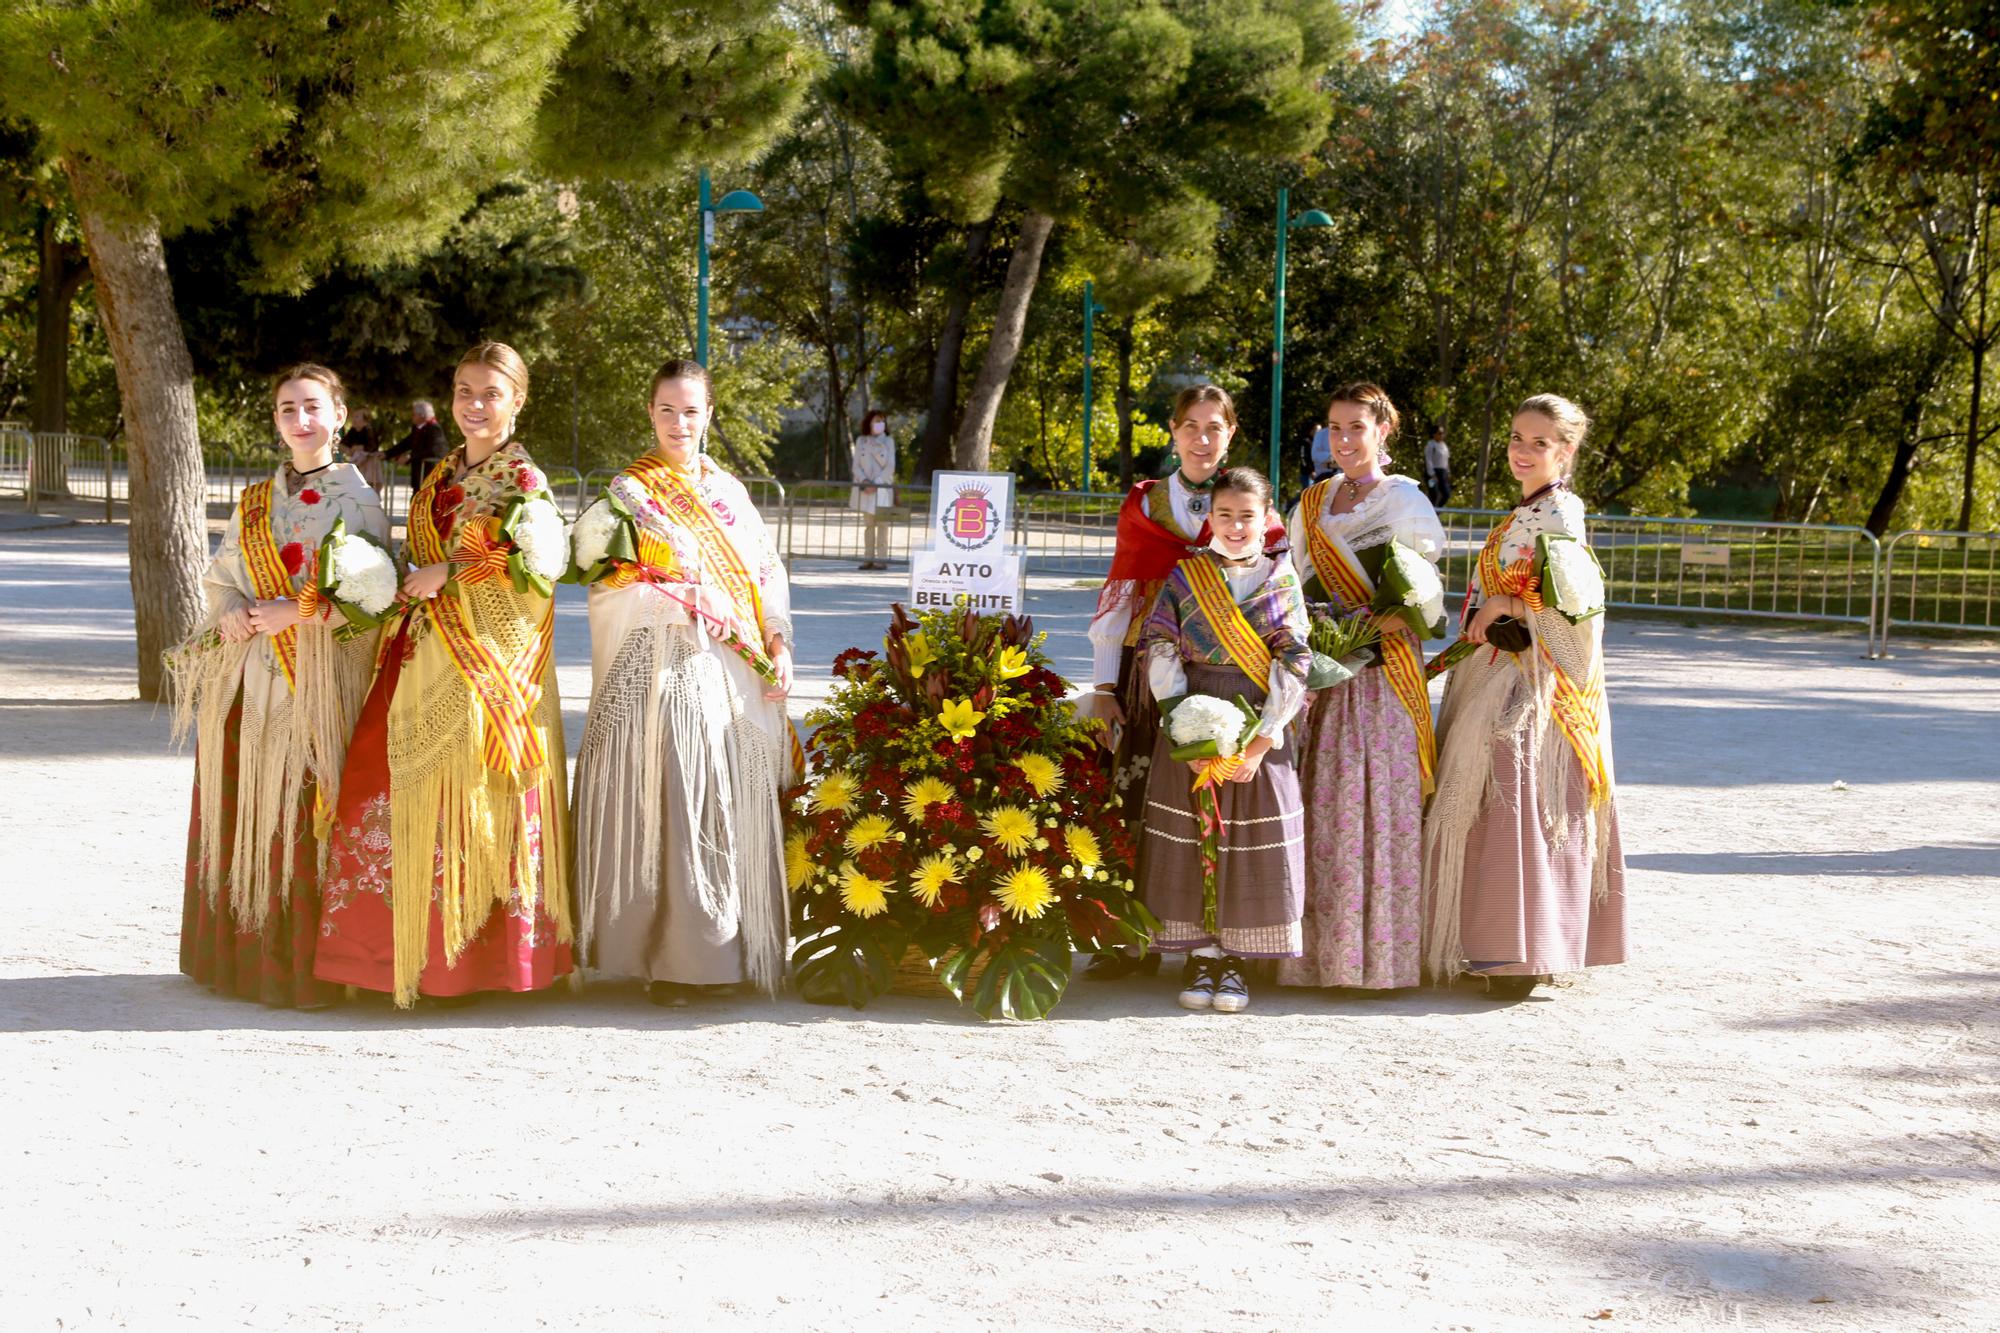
[(1556, 485), (1351, 488), (1197, 494)]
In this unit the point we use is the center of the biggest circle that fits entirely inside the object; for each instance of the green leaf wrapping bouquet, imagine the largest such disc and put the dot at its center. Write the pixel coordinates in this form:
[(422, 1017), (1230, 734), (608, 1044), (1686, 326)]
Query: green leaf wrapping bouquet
[(605, 532)]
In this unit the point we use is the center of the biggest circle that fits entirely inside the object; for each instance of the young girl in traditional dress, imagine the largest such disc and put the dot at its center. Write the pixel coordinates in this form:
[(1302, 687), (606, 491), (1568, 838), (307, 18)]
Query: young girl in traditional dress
[(1159, 524), (680, 852), (1366, 748), (271, 694), (1229, 622), (1521, 842), (450, 870)]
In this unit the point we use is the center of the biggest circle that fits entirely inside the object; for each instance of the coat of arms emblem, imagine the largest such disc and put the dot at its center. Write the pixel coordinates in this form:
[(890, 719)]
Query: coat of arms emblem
[(968, 519)]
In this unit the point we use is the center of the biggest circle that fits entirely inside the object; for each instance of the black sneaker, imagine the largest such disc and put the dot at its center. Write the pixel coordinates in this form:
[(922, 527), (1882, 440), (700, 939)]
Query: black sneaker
[(1232, 996), (1198, 982)]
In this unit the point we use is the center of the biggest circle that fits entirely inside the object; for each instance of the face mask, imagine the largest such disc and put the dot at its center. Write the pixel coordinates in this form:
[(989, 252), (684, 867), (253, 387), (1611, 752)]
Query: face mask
[(1215, 545), (878, 428)]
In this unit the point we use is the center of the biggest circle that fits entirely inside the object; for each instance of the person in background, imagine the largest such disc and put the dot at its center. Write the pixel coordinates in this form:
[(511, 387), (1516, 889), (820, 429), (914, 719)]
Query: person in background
[(423, 446), (1321, 456), (1437, 467), (363, 447), (873, 459)]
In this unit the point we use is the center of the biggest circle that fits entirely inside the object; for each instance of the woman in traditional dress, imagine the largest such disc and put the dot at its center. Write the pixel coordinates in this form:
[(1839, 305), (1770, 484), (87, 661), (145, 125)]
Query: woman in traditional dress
[(1160, 523), (1521, 845), (680, 848), (271, 694), (1367, 754), (450, 871), (1224, 869), (873, 467)]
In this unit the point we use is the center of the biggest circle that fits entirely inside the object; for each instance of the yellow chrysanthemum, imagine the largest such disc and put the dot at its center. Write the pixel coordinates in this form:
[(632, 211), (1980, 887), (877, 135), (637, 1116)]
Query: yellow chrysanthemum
[(931, 877), (1082, 844), (1011, 827), (1012, 662), (922, 655), (835, 792), (1025, 893), (959, 719), (922, 795), (863, 894), (868, 831), (1043, 773), (798, 861)]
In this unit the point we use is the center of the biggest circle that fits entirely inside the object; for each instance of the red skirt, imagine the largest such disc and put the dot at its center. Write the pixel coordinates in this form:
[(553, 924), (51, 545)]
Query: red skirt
[(274, 964), (514, 951)]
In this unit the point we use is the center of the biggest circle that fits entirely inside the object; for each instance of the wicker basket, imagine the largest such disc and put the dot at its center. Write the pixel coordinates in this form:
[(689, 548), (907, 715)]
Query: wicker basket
[(913, 976)]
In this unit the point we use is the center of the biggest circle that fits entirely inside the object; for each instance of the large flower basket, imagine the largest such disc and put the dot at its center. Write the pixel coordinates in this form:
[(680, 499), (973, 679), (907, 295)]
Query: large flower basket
[(959, 810)]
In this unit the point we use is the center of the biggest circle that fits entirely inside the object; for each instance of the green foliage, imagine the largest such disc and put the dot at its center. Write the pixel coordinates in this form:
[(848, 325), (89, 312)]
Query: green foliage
[(683, 87)]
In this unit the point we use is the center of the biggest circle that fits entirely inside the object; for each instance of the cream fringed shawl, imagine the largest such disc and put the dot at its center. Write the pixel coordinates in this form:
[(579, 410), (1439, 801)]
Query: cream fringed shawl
[(290, 733), (462, 831), (1495, 696), (673, 710)]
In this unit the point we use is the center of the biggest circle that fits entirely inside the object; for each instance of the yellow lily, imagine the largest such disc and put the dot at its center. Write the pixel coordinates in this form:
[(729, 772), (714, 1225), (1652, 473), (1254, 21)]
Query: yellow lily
[(959, 719)]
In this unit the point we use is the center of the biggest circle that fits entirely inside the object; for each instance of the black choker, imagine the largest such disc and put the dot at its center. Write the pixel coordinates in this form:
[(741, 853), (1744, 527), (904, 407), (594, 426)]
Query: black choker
[(1556, 485)]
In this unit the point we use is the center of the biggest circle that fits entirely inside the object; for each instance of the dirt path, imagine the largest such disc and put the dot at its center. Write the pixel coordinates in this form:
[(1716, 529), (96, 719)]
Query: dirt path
[(1782, 1114)]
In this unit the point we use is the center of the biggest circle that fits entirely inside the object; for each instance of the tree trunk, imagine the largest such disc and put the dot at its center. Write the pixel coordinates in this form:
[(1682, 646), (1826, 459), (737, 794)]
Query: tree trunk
[(1121, 338), (973, 447), (1971, 491), (1922, 382), (61, 271), (168, 540), (836, 425), (934, 450)]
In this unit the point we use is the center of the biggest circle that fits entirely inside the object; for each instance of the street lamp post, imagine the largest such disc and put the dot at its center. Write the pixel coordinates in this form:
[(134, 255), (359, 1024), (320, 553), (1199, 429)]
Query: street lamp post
[(1091, 310), (736, 201), (1312, 217)]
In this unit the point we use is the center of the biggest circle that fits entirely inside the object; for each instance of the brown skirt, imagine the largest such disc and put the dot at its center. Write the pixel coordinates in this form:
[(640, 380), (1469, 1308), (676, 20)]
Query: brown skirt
[(1260, 871)]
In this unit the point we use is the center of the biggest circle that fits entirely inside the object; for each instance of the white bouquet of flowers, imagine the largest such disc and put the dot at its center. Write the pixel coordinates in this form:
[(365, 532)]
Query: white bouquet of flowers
[(541, 537), (1572, 581), (356, 574), (590, 539), (1209, 728), (1409, 588)]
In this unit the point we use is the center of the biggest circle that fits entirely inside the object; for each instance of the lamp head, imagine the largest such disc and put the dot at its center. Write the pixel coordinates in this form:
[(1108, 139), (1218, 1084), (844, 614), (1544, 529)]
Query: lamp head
[(742, 201), (1312, 217)]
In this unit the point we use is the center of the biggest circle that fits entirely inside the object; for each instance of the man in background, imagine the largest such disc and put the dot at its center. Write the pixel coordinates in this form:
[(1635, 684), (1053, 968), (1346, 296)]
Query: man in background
[(1437, 468), (425, 444)]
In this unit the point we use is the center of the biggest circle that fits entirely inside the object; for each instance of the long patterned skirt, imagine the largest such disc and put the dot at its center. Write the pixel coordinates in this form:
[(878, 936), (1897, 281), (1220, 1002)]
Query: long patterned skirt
[(1364, 804), (273, 964), (1260, 870), (1527, 904), (516, 950)]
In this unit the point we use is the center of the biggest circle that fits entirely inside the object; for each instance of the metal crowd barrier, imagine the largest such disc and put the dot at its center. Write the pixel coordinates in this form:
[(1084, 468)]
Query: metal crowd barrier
[(1946, 574), (1773, 571)]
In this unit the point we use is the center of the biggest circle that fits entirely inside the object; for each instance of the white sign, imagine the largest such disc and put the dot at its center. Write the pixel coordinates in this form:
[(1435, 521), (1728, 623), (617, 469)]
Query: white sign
[(990, 584), (971, 512), (1711, 554)]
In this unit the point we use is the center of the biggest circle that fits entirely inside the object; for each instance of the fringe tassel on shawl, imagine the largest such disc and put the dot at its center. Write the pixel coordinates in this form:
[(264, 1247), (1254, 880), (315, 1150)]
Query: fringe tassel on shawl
[(661, 729), (1517, 695), (287, 739)]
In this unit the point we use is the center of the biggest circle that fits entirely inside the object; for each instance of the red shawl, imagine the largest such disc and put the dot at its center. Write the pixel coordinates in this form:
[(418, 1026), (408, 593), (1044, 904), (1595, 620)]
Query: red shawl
[(1147, 552)]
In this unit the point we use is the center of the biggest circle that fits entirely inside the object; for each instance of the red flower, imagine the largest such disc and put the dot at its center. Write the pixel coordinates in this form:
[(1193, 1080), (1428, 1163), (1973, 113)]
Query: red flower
[(447, 497), (294, 556), (310, 496), (528, 478)]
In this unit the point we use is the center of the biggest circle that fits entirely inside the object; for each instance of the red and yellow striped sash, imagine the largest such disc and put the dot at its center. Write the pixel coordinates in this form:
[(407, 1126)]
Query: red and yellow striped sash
[(509, 692), (722, 565), (267, 571), (1578, 707), (1245, 646), (1402, 659)]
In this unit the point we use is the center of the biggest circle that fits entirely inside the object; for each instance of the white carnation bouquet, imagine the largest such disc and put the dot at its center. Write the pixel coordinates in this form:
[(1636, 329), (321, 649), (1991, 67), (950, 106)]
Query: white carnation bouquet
[(1204, 727), (605, 534), (355, 573), (537, 542), (1409, 588), (1572, 581)]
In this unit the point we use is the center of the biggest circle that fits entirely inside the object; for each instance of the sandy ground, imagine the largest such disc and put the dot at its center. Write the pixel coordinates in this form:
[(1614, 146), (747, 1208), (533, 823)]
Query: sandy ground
[(1781, 1114)]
